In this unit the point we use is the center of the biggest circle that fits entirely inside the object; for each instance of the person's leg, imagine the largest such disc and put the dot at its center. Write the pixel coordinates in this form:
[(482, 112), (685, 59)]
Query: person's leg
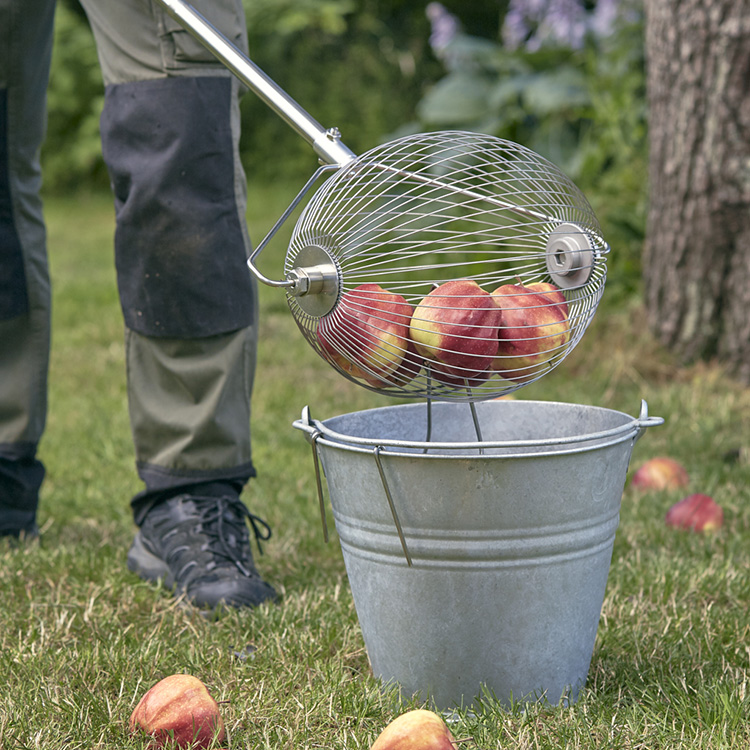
[(170, 134), (25, 52)]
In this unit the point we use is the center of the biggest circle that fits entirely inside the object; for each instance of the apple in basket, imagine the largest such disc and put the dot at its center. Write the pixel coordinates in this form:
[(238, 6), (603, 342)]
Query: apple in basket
[(178, 711), (367, 335), (456, 327), (534, 328), (418, 729)]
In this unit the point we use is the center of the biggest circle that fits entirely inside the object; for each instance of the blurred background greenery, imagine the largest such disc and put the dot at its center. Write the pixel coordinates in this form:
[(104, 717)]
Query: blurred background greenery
[(377, 69)]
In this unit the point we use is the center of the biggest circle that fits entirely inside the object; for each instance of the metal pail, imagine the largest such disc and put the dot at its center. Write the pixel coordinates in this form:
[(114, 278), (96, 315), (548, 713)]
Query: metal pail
[(478, 566)]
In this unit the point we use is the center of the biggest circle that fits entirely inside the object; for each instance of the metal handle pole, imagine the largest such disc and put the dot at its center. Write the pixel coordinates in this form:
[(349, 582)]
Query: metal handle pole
[(325, 142)]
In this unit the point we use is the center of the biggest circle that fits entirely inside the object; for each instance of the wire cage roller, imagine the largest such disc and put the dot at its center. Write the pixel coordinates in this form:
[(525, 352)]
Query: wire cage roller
[(451, 265), (409, 216)]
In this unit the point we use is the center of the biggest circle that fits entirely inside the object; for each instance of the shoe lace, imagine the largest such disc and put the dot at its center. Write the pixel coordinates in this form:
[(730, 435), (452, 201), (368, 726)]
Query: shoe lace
[(219, 518)]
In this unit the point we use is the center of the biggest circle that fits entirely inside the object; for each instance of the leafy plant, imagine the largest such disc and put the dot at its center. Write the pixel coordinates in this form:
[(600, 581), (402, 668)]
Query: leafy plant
[(72, 152), (580, 102)]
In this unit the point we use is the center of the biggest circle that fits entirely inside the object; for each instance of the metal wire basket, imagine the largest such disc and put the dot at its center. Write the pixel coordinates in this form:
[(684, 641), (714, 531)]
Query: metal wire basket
[(445, 265), (473, 223)]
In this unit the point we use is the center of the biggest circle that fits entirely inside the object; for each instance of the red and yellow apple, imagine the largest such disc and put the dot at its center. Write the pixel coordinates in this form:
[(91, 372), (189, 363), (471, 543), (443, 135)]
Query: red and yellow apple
[(550, 292), (416, 730), (455, 327), (534, 328), (660, 473), (697, 512), (367, 335), (179, 712)]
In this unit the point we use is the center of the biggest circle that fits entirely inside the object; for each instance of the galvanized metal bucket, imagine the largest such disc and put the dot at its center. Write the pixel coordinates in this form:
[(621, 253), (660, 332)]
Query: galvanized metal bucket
[(478, 566)]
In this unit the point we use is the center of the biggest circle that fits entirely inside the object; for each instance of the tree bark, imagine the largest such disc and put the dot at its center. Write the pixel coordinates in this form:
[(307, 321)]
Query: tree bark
[(696, 260)]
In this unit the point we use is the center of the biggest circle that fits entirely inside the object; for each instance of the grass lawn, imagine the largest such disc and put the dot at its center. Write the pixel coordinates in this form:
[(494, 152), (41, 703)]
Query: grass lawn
[(81, 639)]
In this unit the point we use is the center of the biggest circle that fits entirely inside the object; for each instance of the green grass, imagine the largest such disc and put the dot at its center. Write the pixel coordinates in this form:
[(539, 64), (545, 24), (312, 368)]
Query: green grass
[(81, 638)]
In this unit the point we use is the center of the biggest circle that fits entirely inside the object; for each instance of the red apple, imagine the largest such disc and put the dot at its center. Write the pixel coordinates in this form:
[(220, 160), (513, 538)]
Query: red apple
[(409, 368), (457, 377), (416, 730), (551, 292), (697, 512), (455, 327), (367, 334), (179, 712), (660, 473), (534, 328)]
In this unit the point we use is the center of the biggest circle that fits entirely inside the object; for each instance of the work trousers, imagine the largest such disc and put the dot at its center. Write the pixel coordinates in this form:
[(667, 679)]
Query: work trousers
[(170, 131)]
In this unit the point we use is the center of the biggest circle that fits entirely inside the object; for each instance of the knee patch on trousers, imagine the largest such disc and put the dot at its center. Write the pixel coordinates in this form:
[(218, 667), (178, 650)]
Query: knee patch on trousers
[(180, 244)]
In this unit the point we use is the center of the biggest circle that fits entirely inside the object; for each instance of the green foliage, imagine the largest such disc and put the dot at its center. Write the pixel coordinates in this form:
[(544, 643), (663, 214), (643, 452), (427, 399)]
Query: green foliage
[(359, 65), (584, 109), (72, 152)]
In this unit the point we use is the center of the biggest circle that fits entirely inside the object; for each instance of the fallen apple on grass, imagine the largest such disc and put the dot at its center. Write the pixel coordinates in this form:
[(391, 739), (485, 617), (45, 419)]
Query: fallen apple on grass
[(534, 328), (455, 327), (367, 335), (660, 473), (697, 512), (416, 730), (178, 711)]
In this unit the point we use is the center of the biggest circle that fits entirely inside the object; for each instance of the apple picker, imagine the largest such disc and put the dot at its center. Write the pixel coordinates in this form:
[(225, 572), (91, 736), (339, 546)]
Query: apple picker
[(448, 265), (455, 267)]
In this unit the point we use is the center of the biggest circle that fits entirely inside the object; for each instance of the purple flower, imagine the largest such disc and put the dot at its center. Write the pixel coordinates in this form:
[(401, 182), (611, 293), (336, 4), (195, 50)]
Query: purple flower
[(603, 18), (533, 24), (445, 26), (564, 23)]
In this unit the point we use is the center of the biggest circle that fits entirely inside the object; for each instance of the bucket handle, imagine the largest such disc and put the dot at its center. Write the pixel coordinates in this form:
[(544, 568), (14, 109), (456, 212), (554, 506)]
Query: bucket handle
[(319, 482), (376, 453), (313, 434)]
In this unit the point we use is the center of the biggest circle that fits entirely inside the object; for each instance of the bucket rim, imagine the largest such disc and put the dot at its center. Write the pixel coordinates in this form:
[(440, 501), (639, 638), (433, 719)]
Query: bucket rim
[(318, 431)]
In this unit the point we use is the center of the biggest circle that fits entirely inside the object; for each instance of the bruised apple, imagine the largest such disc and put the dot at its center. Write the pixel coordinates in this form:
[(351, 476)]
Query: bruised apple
[(660, 473), (534, 327), (179, 712), (456, 327), (367, 335), (697, 512), (416, 730)]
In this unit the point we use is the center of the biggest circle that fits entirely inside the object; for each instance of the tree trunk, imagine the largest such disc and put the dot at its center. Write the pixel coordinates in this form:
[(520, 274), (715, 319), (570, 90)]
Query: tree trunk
[(697, 254)]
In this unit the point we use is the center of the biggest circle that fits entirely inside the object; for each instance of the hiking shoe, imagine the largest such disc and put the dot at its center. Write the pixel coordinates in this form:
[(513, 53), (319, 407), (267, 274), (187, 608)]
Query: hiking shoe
[(200, 547)]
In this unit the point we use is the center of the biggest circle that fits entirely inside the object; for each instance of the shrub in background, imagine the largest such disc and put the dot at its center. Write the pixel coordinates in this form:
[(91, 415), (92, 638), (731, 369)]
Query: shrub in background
[(567, 81)]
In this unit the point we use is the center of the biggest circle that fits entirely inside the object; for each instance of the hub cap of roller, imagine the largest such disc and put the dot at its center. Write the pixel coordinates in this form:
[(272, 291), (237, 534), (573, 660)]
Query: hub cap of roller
[(317, 280)]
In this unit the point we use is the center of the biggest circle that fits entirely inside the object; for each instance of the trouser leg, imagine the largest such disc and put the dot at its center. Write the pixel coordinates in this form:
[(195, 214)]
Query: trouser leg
[(170, 134), (25, 53)]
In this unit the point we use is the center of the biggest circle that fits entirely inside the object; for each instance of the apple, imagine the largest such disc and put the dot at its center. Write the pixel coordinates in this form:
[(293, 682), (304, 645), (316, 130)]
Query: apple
[(660, 473), (551, 292), (697, 512), (409, 368), (457, 377), (179, 712), (416, 730), (534, 328), (456, 327), (367, 334)]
